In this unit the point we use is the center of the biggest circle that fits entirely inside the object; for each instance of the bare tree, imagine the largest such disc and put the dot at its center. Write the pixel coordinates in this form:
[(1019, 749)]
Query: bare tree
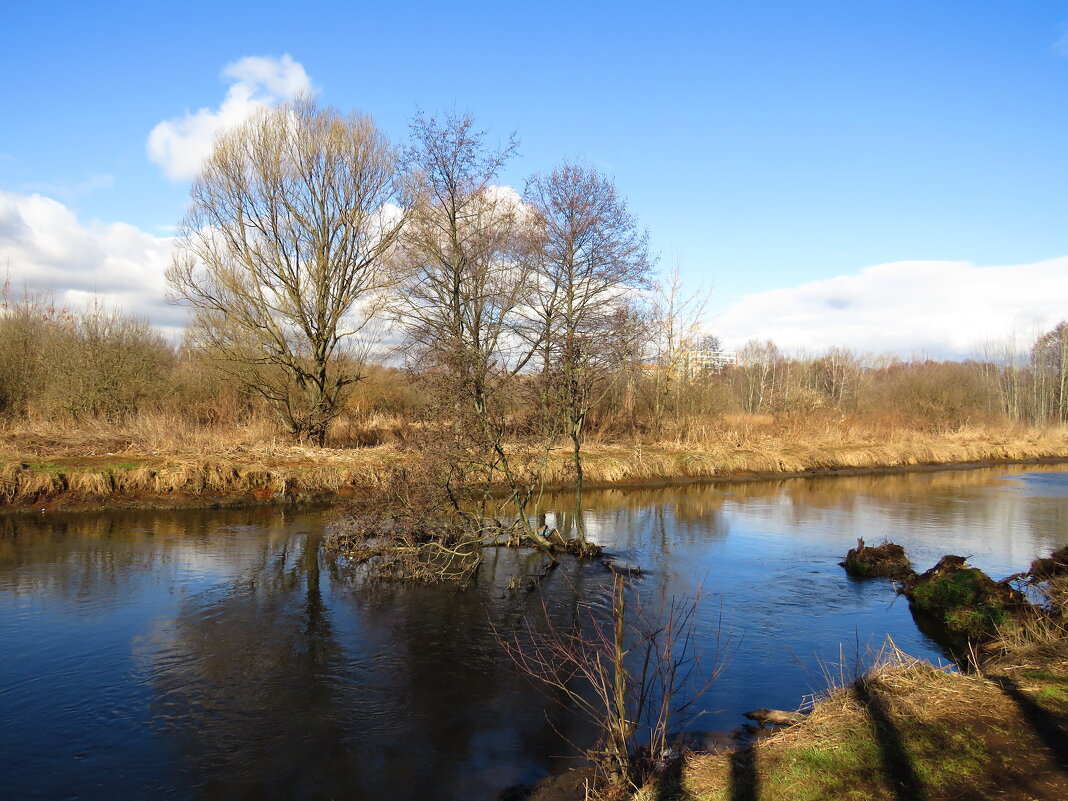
[(26, 323), (102, 363), (637, 677), (465, 279), (677, 318), (282, 252), (590, 254), (1004, 363), (1049, 360), (836, 375), (629, 334), (762, 367)]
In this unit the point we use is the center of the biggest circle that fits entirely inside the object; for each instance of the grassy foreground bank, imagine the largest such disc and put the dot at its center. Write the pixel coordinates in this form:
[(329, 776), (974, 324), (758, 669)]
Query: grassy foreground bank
[(122, 468), (909, 730), (906, 730)]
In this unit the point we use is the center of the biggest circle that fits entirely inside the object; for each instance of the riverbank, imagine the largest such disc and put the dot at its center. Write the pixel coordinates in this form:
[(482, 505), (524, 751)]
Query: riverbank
[(909, 730), (997, 728), (906, 730), (85, 473)]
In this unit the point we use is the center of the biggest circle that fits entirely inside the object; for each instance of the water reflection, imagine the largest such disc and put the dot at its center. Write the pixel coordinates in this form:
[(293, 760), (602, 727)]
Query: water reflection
[(999, 516), (218, 654), (244, 672)]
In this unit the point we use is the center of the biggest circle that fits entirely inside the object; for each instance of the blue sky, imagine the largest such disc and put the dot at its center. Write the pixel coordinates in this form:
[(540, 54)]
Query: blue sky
[(770, 147)]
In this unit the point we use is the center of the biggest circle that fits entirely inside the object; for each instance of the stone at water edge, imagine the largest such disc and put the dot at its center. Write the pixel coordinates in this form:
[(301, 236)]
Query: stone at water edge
[(776, 717), (625, 568)]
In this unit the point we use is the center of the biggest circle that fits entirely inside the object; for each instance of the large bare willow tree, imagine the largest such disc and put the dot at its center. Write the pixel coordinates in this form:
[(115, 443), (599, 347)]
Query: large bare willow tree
[(283, 254)]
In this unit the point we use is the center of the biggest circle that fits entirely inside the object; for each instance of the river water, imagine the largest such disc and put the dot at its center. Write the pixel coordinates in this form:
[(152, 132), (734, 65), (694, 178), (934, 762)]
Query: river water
[(220, 654)]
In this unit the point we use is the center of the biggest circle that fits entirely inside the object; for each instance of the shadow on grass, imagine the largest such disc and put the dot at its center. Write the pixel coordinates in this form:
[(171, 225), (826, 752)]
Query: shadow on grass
[(1047, 726), (897, 764), (669, 785), (744, 783)]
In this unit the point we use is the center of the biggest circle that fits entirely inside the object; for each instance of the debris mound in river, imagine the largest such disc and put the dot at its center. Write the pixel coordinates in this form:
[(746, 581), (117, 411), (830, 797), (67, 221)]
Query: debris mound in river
[(886, 560), (965, 599), (1055, 565)]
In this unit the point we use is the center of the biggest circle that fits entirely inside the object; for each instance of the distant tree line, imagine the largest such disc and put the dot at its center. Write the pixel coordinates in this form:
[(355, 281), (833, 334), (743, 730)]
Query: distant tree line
[(75, 366), (534, 316)]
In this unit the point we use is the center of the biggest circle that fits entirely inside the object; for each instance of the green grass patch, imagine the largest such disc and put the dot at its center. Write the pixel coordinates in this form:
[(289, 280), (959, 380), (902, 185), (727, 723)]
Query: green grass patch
[(1052, 698), (946, 757), (963, 601), (943, 757), (101, 466), (857, 567), (46, 467), (815, 772), (1045, 675)]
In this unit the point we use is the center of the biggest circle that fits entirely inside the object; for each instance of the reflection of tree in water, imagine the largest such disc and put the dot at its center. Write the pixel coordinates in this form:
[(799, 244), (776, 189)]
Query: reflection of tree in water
[(817, 492), (276, 678), (78, 566), (974, 510), (960, 498), (244, 681), (644, 524), (287, 680), (466, 721)]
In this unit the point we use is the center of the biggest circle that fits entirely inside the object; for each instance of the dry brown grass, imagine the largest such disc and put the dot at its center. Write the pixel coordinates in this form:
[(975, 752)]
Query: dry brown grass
[(741, 445), (166, 455), (161, 455), (906, 729), (42, 482), (1034, 641), (174, 434)]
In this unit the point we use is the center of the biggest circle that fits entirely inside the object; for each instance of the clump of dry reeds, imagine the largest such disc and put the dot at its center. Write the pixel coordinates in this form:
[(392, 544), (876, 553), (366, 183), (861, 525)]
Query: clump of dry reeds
[(258, 479), (1036, 638)]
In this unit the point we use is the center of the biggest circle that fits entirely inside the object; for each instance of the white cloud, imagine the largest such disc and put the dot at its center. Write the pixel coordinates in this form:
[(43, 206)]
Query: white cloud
[(944, 309), (1060, 47), (69, 191), (45, 247), (939, 308), (180, 145)]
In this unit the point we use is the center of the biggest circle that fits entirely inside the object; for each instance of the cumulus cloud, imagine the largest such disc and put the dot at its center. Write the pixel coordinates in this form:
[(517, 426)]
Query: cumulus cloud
[(939, 308), (180, 145), (942, 309), (46, 248)]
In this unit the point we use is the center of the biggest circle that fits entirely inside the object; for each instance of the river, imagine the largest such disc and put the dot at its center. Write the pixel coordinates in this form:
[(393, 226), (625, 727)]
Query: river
[(220, 654)]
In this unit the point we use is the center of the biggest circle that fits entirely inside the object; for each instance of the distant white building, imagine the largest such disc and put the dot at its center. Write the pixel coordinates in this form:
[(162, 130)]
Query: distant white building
[(699, 361)]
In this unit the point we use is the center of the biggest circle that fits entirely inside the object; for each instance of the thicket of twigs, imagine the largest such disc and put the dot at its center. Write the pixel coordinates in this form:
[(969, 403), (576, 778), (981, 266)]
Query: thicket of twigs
[(430, 523), (637, 676)]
